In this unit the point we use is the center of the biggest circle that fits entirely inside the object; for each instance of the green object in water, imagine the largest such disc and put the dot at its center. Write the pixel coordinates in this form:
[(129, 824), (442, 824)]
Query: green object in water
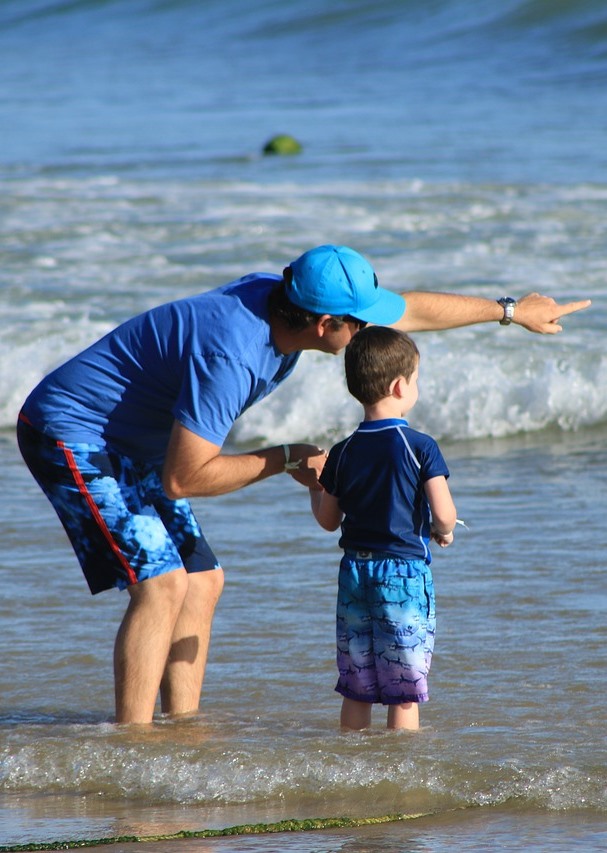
[(282, 144)]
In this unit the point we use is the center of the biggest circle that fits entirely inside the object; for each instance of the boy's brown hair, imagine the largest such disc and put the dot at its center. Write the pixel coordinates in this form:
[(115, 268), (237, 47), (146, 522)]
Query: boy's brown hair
[(374, 358)]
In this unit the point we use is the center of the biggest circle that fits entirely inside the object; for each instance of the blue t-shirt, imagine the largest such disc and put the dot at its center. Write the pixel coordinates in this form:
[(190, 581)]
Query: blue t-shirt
[(201, 360), (378, 476)]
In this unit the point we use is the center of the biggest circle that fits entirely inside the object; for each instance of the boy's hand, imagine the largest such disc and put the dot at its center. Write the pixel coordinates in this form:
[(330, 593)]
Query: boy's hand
[(311, 462), (441, 539)]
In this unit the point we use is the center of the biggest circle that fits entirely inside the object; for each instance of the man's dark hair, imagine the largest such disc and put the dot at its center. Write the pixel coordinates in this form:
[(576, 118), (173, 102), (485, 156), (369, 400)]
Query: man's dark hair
[(294, 317), (374, 358)]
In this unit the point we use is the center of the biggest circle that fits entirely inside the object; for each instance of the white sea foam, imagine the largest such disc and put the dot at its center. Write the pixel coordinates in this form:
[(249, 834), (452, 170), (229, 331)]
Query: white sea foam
[(82, 255), (466, 392)]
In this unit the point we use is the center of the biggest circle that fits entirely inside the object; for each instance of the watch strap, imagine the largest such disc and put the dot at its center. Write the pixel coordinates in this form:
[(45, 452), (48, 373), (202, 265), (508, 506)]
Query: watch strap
[(508, 304), (290, 465)]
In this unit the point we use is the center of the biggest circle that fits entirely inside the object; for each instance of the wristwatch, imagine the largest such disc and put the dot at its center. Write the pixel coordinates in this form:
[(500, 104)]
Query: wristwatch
[(508, 304)]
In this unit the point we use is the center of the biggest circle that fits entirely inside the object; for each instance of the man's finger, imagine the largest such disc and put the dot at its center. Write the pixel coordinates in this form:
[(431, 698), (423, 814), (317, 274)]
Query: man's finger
[(573, 306)]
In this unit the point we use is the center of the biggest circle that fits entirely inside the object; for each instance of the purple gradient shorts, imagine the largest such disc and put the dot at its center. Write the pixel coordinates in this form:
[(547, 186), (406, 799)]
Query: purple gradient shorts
[(386, 621), (115, 512)]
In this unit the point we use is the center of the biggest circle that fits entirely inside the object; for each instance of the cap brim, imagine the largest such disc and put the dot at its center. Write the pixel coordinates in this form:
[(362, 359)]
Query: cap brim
[(388, 309)]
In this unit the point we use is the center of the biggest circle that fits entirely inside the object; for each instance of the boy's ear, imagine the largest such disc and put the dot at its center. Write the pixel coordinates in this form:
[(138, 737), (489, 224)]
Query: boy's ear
[(396, 387)]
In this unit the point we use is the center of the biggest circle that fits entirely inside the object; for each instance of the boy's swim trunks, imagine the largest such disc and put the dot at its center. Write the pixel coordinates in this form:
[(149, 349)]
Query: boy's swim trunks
[(386, 622)]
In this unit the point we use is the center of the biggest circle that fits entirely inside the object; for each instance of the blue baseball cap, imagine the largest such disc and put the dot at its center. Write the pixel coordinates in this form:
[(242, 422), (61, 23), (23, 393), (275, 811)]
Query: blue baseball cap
[(337, 280)]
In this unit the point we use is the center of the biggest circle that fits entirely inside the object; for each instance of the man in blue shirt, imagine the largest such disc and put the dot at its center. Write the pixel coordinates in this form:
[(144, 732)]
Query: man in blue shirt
[(122, 434)]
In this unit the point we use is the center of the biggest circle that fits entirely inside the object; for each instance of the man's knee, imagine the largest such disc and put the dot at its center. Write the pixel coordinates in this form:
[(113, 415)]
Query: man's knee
[(168, 589), (207, 586)]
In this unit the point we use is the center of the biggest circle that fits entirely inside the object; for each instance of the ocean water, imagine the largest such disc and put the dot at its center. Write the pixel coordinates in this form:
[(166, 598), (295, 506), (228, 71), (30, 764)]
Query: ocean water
[(460, 145)]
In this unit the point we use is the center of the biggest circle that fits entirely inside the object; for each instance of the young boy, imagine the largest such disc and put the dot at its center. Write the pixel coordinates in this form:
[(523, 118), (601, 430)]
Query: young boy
[(387, 486)]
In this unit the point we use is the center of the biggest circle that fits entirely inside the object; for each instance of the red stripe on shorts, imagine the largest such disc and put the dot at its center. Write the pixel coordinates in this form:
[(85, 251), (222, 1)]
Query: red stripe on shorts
[(95, 512)]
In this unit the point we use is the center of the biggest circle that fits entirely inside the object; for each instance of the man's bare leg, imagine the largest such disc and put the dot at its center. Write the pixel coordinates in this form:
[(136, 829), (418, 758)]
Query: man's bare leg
[(143, 642), (181, 684)]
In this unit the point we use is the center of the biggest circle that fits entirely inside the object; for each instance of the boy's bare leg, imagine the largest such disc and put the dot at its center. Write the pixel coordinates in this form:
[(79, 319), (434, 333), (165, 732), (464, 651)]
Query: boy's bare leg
[(355, 715), (404, 716), (181, 683), (142, 644)]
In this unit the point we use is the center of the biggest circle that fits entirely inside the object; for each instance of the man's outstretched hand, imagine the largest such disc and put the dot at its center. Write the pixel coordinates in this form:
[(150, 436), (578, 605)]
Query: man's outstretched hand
[(542, 314)]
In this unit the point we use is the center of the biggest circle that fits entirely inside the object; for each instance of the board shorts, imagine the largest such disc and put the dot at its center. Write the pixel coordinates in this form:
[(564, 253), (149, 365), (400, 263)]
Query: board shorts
[(386, 622), (115, 512)]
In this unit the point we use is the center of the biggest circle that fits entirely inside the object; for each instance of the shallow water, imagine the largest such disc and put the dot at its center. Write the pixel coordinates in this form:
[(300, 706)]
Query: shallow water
[(516, 714)]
